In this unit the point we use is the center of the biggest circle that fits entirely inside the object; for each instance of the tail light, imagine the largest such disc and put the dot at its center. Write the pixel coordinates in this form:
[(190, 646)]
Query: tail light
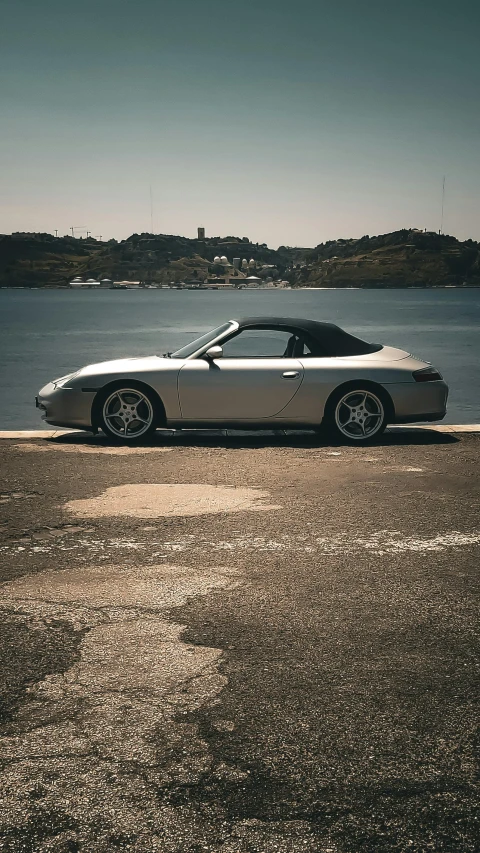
[(427, 374)]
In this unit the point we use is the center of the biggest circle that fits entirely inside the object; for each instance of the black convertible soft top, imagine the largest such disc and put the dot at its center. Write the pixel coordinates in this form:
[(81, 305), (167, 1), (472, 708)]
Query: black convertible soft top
[(328, 339)]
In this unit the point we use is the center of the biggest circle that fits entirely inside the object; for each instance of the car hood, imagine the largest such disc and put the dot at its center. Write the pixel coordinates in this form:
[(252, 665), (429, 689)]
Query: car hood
[(129, 365)]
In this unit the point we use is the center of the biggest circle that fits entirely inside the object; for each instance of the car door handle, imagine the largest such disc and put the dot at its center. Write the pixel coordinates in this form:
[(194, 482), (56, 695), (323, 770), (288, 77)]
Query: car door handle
[(291, 374)]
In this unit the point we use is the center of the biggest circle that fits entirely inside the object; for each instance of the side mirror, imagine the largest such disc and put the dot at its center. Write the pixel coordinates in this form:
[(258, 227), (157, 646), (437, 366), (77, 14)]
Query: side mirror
[(214, 352)]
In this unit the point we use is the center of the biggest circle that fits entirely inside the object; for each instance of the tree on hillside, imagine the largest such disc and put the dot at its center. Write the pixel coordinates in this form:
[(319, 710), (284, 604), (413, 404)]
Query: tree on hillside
[(462, 263)]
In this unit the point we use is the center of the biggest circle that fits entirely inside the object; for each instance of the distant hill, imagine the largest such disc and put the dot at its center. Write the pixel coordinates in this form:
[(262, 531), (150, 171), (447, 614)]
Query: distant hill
[(40, 259), (407, 258)]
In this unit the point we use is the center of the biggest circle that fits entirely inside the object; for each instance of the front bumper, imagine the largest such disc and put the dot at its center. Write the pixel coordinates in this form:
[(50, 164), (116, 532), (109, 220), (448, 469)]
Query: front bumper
[(65, 407)]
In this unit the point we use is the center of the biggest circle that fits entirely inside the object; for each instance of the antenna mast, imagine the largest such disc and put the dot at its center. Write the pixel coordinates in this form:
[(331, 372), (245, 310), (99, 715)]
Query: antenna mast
[(151, 210), (443, 202)]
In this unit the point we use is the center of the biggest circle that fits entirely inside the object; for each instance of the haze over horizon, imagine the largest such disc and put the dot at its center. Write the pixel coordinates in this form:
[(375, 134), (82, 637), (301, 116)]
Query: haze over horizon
[(292, 123)]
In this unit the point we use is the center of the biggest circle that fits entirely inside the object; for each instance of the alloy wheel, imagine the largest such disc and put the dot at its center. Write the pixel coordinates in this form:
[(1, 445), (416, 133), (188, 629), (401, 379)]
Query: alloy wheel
[(128, 413), (359, 415)]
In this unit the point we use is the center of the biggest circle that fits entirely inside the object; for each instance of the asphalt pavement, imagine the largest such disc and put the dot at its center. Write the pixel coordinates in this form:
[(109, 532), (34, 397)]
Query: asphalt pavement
[(239, 644)]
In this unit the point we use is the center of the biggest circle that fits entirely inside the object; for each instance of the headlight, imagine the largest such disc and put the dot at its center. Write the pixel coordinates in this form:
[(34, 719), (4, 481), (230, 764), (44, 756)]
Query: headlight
[(60, 383), (427, 374)]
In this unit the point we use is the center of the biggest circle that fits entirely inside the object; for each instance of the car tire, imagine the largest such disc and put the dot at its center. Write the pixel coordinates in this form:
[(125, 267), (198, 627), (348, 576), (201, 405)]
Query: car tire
[(357, 414), (127, 412)]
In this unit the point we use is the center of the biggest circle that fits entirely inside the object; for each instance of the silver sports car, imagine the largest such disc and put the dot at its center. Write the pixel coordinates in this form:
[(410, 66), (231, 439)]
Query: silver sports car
[(255, 373)]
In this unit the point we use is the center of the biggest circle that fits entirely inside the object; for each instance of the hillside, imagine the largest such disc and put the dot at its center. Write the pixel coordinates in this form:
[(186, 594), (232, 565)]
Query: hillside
[(400, 259), (34, 260), (407, 258), (40, 259)]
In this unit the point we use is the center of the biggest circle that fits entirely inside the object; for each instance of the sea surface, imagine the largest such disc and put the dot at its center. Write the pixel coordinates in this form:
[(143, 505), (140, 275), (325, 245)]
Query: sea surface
[(45, 334)]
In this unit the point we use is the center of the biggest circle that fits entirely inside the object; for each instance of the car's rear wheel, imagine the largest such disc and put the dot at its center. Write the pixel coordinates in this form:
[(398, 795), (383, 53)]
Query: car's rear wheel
[(127, 414), (357, 415)]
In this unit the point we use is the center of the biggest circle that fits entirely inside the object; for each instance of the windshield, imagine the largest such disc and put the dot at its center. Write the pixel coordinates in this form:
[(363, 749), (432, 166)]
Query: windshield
[(200, 342)]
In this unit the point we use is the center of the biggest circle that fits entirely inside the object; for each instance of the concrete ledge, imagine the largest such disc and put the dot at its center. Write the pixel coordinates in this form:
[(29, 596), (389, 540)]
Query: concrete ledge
[(439, 427), (35, 433), (55, 433)]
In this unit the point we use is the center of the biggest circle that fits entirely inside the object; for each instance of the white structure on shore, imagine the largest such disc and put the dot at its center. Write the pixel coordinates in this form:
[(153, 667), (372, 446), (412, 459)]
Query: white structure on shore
[(90, 282), (79, 282), (251, 281), (128, 285)]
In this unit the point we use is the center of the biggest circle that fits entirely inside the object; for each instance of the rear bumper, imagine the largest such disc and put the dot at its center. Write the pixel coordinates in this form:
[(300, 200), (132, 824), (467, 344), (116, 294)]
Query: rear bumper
[(418, 401), (429, 416), (65, 407)]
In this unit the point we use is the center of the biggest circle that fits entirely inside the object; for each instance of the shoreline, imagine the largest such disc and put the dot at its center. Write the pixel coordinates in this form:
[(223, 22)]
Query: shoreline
[(236, 289)]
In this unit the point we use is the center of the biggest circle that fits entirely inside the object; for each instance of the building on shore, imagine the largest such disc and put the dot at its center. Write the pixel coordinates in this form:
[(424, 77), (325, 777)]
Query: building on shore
[(79, 282), (250, 281), (90, 282), (219, 284), (125, 285)]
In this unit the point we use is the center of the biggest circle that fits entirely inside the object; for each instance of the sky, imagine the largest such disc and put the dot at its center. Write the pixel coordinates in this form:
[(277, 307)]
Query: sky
[(291, 122)]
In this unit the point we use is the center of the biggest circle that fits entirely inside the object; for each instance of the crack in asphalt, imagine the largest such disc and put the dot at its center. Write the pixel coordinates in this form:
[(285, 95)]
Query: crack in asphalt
[(98, 756), (90, 748)]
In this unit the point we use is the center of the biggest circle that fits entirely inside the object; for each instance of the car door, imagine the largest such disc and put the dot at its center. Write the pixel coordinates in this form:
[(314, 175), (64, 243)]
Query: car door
[(254, 380)]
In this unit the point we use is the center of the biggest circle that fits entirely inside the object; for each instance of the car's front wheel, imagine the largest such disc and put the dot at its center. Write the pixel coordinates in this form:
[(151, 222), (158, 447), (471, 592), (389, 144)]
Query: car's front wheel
[(357, 415), (126, 413)]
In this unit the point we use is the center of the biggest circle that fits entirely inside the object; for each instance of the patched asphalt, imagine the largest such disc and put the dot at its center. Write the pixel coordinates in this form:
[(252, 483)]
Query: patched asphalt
[(280, 655)]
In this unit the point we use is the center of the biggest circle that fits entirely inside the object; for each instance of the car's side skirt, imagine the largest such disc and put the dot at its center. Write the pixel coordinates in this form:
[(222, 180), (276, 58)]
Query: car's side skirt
[(268, 423)]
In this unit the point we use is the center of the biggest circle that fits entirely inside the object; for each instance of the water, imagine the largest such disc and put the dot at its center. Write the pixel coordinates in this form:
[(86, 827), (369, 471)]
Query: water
[(45, 334)]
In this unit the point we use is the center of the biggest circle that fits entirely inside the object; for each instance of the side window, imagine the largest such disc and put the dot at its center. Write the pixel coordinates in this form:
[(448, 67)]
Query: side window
[(308, 348), (303, 349), (258, 343)]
